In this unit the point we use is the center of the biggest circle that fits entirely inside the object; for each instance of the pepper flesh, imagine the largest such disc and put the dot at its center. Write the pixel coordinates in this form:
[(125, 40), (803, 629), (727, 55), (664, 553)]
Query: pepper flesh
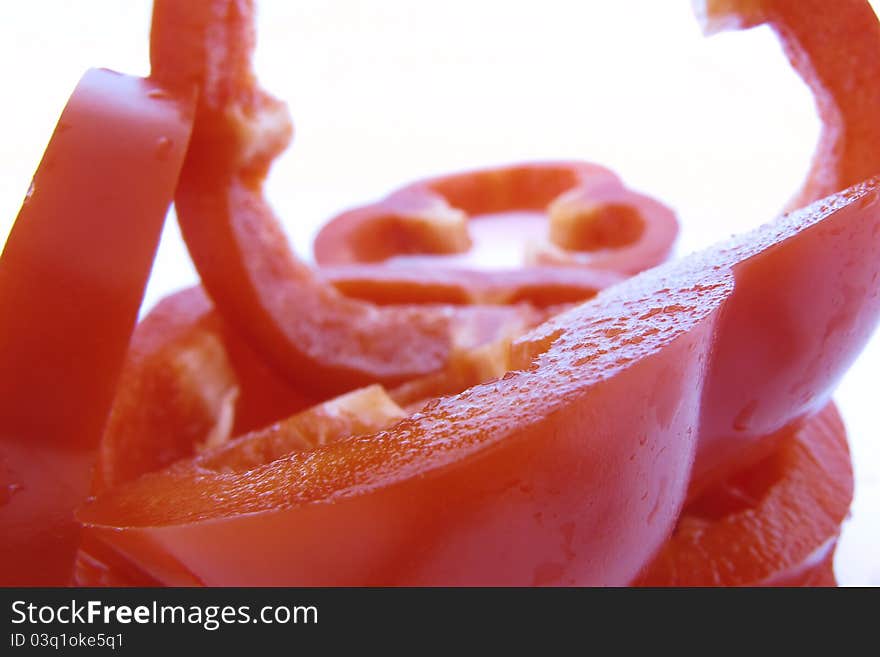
[(541, 287), (747, 267), (447, 484), (776, 524), (593, 219), (834, 47), (72, 277), (551, 453), (830, 310), (594, 222), (307, 330)]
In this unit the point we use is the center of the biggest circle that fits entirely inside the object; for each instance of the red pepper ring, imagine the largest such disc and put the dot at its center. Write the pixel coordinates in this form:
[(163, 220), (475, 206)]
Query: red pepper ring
[(607, 226), (775, 524), (309, 332), (72, 277), (589, 210)]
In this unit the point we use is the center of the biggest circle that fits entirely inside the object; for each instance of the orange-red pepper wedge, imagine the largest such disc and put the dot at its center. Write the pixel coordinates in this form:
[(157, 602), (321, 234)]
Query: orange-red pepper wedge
[(775, 524), (834, 47), (581, 452), (592, 219), (72, 277), (303, 326)]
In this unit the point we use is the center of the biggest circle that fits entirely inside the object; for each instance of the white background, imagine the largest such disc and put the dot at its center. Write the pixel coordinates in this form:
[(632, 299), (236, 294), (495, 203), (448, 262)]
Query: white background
[(387, 91)]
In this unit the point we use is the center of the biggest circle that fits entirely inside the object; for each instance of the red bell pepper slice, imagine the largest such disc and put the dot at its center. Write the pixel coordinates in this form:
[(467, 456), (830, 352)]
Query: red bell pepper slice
[(822, 308), (572, 372), (306, 329), (541, 287), (362, 411), (188, 382), (833, 46), (795, 322), (72, 276), (551, 453), (775, 524), (620, 232), (593, 219)]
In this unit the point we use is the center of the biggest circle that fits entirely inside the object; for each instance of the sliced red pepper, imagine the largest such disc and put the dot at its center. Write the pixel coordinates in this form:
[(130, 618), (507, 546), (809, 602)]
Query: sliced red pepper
[(823, 303), (551, 454), (776, 524), (305, 328), (607, 226), (177, 390), (541, 287), (188, 383), (365, 410), (593, 221), (833, 46), (72, 277), (839, 236), (796, 321)]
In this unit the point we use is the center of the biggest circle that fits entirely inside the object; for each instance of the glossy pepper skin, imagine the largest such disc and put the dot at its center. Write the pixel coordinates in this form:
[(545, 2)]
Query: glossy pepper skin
[(834, 47), (547, 423), (533, 478), (774, 524), (544, 476), (307, 330), (553, 449), (809, 326), (72, 276)]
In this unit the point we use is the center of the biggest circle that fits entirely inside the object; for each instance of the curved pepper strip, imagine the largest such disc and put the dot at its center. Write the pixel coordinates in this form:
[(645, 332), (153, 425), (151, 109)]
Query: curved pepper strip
[(834, 47), (72, 276), (593, 220), (830, 309), (541, 287), (798, 318), (177, 390), (306, 329), (776, 524), (361, 411), (552, 452), (187, 382)]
